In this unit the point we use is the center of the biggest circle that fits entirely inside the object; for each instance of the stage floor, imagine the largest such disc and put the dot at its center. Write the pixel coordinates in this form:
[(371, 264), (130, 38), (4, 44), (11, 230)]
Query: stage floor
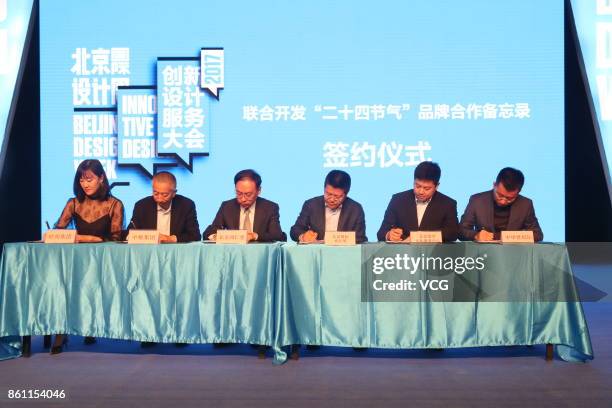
[(120, 373)]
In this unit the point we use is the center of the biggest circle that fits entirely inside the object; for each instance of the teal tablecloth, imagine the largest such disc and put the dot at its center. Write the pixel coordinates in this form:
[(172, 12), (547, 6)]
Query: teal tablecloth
[(192, 293), (322, 304), (277, 295)]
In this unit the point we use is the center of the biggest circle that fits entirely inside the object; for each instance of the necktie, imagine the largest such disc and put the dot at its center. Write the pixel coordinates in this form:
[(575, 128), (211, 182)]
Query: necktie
[(247, 221)]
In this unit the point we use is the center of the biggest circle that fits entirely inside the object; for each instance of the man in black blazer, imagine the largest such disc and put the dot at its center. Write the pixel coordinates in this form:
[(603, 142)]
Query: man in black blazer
[(501, 209), (333, 211), (260, 217), (423, 208), (174, 216)]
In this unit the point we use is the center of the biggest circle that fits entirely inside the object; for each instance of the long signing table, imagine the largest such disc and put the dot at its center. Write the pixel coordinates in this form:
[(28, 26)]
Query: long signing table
[(283, 294)]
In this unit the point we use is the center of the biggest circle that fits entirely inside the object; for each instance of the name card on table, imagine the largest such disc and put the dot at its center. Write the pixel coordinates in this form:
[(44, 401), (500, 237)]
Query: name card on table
[(517, 237), (143, 237), (232, 237), (340, 238), (426, 237), (60, 236)]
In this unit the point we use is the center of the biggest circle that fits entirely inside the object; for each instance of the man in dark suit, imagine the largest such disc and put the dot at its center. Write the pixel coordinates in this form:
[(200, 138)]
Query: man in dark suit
[(260, 217), (174, 216), (333, 211), (501, 209), (423, 208)]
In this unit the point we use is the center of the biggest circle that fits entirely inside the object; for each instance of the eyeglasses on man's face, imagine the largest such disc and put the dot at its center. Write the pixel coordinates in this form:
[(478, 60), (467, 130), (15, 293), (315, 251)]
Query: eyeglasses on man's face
[(507, 197), (246, 195)]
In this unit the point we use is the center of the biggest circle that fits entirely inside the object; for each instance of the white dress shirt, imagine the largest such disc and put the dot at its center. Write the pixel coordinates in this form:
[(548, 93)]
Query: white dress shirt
[(163, 219), (332, 217), (421, 206)]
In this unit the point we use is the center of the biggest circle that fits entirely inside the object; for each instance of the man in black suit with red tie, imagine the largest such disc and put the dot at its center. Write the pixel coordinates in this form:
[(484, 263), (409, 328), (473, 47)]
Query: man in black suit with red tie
[(248, 211), (173, 215), (422, 208)]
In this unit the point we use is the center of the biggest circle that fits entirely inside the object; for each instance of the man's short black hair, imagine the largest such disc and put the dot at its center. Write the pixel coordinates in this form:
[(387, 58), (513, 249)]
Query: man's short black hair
[(249, 174), (428, 171), (512, 179), (338, 179)]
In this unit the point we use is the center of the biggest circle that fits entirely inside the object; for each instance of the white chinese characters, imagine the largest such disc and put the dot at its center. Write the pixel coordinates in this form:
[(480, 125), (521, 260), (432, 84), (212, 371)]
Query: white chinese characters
[(365, 154)]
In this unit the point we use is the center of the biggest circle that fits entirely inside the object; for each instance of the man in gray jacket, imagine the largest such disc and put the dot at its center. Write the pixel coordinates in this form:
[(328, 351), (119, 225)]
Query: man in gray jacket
[(501, 209)]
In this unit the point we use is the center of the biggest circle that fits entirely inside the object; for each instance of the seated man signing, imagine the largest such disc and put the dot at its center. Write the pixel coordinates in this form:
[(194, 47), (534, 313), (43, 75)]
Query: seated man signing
[(173, 215), (248, 211), (422, 208), (501, 209), (333, 211)]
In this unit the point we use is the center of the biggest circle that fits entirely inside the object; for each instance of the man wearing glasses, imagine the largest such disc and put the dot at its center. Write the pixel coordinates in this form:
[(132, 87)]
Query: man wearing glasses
[(248, 211), (501, 209), (333, 211), (173, 215)]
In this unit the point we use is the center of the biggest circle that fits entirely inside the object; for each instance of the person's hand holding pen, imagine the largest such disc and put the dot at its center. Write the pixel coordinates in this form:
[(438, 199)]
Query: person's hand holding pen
[(395, 234), (308, 236), (484, 235)]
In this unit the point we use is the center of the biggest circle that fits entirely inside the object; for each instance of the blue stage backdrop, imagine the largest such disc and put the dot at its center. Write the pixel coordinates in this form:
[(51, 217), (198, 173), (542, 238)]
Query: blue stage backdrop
[(297, 89), (14, 22)]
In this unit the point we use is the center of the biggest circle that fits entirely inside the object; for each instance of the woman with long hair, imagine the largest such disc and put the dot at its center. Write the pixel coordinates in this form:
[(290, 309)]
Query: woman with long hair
[(94, 213)]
